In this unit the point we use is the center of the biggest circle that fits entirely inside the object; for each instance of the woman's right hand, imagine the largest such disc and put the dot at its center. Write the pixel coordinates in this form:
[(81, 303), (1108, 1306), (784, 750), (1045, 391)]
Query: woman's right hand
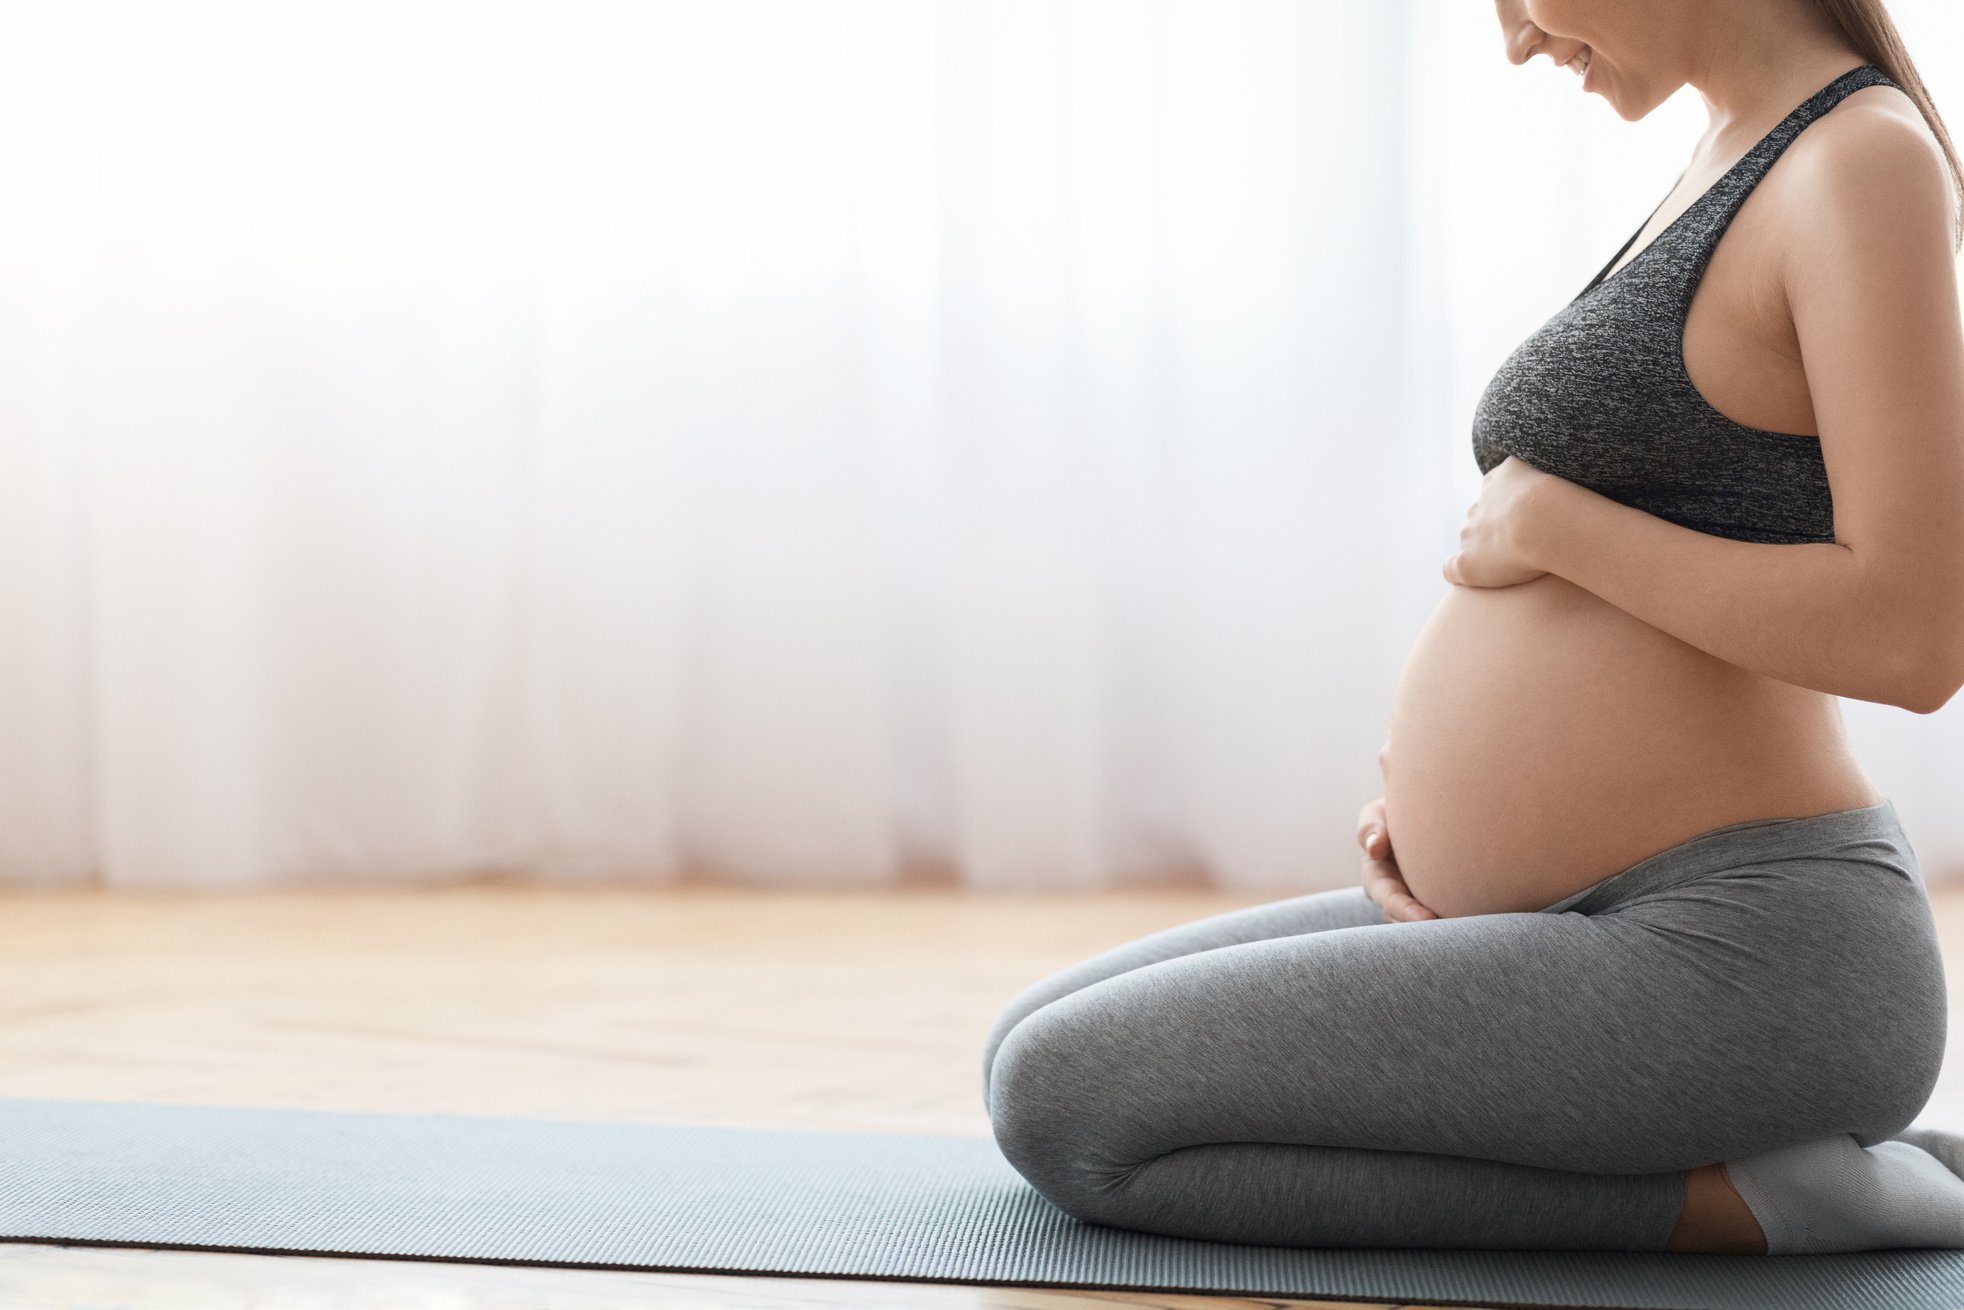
[(1382, 879)]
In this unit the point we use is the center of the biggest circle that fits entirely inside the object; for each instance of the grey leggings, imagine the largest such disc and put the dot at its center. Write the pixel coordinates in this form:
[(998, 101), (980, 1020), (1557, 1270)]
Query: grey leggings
[(1307, 1073)]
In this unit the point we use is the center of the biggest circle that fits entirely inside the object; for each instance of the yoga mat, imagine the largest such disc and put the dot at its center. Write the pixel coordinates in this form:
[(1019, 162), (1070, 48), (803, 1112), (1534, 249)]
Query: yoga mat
[(767, 1201)]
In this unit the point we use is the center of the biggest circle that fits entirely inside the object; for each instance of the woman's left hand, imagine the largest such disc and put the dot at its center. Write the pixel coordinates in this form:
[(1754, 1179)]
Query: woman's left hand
[(1490, 552)]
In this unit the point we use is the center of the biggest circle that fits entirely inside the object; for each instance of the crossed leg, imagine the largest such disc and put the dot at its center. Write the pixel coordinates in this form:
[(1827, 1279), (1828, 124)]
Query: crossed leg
[(1305, 1073)]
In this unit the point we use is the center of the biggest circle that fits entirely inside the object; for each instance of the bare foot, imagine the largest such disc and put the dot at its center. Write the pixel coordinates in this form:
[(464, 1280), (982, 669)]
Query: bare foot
[(1715, 1218)]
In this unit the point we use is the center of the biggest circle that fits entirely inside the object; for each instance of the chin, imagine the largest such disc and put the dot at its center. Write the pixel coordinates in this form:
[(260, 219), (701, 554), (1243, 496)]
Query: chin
[(1627, 108)]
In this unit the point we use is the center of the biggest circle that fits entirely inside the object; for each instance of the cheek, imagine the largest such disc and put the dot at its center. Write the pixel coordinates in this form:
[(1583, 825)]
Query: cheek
[(1512, 13), (1559, 17)]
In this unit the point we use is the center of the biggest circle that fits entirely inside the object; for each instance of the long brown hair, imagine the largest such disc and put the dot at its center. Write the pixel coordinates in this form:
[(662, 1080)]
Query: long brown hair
[(1868, 27)]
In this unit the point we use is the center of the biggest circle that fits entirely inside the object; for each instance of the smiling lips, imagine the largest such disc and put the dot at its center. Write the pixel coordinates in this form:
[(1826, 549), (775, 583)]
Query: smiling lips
[(1579, 65)]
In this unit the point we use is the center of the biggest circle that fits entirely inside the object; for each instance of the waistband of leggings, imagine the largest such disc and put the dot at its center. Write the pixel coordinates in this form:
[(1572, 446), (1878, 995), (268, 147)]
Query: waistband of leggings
[(1871, 833)]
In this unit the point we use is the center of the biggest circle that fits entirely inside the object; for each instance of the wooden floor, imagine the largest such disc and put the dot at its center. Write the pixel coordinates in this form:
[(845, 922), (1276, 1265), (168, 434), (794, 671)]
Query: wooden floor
[(695, 1004)]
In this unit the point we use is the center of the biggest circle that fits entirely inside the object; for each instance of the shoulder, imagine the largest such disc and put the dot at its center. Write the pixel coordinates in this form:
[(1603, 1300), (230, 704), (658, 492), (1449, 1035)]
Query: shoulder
[(1868, 170)]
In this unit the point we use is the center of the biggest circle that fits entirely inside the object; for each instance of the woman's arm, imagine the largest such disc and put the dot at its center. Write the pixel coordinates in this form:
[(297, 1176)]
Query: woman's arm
[(1822, 616), (1872, 280)]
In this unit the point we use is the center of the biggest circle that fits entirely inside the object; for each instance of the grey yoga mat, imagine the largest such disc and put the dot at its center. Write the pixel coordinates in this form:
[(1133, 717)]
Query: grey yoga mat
[(766, 1201)]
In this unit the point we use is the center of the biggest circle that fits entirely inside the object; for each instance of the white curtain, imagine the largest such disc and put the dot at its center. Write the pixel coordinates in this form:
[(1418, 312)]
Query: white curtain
[(799, 442)]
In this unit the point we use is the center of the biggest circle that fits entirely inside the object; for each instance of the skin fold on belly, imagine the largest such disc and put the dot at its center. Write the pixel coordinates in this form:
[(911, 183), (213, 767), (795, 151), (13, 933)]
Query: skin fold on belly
[(1542, 739)]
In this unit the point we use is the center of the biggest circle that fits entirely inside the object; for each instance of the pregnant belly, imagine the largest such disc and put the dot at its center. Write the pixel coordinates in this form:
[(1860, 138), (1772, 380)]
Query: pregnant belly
[(1542, 739)]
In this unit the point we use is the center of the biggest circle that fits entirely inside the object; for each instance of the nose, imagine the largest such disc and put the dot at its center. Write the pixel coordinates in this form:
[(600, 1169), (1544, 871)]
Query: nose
[(1519, 33), (1559, 52), (1525, 40)]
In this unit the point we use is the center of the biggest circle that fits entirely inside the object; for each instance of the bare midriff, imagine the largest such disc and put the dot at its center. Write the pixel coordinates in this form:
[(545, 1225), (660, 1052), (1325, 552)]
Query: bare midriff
[(1542, 739)]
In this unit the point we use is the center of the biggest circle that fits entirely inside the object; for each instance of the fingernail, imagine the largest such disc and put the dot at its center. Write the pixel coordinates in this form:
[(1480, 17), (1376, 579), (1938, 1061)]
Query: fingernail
[(1370, 835)]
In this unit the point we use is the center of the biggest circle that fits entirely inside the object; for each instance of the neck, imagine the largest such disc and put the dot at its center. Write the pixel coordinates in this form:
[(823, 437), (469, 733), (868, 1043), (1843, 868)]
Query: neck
[(1753, 61)]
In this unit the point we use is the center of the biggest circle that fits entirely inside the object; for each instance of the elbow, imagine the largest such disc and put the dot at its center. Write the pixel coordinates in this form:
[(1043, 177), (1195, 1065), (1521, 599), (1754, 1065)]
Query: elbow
[(1926, 682), (1929, 701)]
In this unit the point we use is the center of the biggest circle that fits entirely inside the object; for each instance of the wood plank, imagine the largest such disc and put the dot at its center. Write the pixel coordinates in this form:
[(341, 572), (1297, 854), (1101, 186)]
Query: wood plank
[(693, 1003)]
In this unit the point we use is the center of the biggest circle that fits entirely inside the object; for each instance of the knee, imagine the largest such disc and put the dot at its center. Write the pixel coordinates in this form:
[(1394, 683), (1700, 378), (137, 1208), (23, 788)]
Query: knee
[(1018, 1010), (1037, 996), (1044, 1116), (1898, 1100), (1035, 1102)]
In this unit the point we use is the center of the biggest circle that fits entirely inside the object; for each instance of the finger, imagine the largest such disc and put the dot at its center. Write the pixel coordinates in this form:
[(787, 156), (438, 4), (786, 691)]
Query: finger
[(1381, 886), (1386, 890), (1383, 893), (1409, 907), (1373, 834), (1400, 905), (1391, 892), (1380, 890), (1377, 866)]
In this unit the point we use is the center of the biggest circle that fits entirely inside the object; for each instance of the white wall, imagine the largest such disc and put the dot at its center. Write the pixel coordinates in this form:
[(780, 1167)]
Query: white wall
[(801, 440)]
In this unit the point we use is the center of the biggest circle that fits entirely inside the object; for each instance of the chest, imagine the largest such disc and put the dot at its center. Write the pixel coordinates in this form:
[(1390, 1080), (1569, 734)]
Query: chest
[(1738, 346), (1674, 383)]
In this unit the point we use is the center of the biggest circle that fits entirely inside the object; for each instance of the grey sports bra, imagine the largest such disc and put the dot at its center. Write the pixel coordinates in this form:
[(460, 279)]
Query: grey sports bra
[(1599, 394)]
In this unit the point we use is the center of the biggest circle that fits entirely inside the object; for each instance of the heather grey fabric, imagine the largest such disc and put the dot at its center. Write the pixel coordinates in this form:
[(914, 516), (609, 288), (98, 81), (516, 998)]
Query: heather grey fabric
[(1599, 394), (1305, 1073)]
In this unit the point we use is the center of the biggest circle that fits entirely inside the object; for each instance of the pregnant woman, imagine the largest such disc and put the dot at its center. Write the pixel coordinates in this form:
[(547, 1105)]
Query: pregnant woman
[(1641, 959)]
